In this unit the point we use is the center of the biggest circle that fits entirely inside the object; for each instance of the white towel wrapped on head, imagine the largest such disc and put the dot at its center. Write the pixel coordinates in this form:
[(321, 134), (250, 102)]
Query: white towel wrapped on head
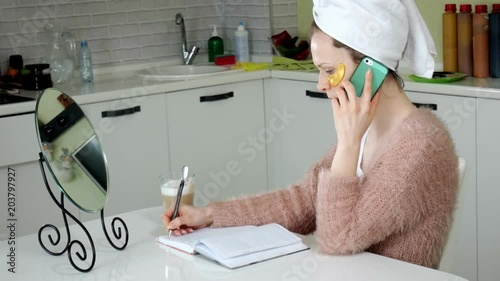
[(386, 30)]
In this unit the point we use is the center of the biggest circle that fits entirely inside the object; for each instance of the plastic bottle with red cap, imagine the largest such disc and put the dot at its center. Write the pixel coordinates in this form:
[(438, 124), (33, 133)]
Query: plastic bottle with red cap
[(464, 39), (494, 37), (450, 54), (480, 42)]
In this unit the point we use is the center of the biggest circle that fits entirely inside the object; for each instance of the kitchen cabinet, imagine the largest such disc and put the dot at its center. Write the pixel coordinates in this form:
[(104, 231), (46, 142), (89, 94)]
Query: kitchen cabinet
[(300, 121), (28, 200), (488, 189), (32, 207), (220, 133), (134, 139), (459, 114)]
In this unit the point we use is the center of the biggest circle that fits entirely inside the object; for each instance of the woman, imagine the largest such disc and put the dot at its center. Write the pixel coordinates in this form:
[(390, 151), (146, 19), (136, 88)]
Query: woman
[(389, 184)]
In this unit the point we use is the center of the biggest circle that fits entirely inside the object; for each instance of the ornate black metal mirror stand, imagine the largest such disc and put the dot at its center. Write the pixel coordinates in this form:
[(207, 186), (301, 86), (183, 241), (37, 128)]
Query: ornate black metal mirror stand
[(81, 253)]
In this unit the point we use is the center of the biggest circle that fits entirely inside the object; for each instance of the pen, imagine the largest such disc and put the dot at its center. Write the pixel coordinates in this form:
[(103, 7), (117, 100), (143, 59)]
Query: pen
[(185, 170)]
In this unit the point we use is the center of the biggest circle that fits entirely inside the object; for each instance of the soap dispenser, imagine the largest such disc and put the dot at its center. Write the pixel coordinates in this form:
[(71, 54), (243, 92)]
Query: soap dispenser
[(215, 45)]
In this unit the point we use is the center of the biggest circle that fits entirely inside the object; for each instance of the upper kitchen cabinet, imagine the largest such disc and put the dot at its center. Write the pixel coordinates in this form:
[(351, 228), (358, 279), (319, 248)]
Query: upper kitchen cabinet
[(134, 139), (219, 132), (301, 129), (488, 189), (459, 114)]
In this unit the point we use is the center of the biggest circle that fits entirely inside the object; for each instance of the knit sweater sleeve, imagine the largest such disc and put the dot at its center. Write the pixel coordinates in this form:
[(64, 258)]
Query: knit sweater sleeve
[(411, 180), (294, 207)]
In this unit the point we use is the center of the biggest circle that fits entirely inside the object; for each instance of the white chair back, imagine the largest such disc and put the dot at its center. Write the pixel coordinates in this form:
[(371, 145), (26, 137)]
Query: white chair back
[(451, 244)]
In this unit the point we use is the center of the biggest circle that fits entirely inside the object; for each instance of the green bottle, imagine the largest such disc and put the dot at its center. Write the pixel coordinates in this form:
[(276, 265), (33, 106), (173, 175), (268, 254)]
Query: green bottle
[(215, 45)]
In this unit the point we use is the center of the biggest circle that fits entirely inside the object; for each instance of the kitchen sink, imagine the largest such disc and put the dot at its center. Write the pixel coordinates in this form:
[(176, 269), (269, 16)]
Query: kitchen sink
[(183, 72)]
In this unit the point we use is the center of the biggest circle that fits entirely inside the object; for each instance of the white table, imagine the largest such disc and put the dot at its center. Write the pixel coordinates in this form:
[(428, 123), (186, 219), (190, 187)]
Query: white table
[(145, 259)]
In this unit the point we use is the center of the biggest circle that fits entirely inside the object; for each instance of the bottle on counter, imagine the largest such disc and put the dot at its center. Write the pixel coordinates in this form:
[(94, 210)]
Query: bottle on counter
[(464, 39), (241, 44), (494, 37), (215, 45), (450, 54), (480, 44), (86, 68)]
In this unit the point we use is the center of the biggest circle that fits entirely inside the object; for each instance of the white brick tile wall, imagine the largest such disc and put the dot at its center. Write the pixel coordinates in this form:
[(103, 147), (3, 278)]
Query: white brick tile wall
[(211, 20), (251, 10), (89, 8), (9, 28), (107, 19), (259, 23), (135, 41), (7, 3), (157, 39), (32, 51), (154, 51), (101, 57), (189, 24), (5, 53), (11, 14), (155, 4), (285, 21), (126, 54), (92, 32), (4, 41), (152, 28), (123, 5), (73, 22), (173, 38), (281, 9), (133, 30), (104, 44), (123, 30), (285, 16), (142, 16), (195, 12), (30, 2), (59, 10), (169, 14)]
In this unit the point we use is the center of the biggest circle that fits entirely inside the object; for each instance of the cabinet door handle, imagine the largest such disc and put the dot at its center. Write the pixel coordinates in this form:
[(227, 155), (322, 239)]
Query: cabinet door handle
[(431, 106), (317, 95), (216, 97), (120, 112)]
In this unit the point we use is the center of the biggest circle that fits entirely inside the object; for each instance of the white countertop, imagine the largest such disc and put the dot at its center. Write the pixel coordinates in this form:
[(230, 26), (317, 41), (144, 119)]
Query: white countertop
[(119, 82), (145, 259)]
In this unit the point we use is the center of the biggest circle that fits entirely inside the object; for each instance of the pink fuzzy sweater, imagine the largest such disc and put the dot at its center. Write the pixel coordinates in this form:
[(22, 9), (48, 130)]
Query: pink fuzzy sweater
[(401, 208)]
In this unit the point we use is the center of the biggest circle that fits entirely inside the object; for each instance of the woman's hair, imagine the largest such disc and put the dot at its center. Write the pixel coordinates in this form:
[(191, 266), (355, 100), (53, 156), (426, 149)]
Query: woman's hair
[(355, 55)]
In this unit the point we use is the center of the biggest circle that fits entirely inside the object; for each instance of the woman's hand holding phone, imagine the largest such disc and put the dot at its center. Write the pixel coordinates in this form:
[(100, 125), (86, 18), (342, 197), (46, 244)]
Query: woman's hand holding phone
[(352, 116)]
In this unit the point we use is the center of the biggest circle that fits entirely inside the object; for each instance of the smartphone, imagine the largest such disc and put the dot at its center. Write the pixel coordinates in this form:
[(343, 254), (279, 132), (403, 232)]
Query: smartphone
[(358, 78)]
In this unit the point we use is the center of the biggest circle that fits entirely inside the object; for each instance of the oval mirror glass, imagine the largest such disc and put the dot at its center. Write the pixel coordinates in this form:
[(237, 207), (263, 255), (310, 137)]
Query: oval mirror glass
[(72, 150)]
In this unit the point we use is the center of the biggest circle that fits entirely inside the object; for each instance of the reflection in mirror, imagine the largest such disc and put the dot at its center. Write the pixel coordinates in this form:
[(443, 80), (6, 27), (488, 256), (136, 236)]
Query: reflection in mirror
[(72, 150)]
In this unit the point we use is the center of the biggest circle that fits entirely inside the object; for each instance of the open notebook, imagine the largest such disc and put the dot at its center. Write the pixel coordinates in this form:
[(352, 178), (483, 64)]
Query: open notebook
[(234, 247)]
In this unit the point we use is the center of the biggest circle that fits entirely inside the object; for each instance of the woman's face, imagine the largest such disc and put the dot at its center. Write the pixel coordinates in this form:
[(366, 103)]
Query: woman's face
[(326, 57)]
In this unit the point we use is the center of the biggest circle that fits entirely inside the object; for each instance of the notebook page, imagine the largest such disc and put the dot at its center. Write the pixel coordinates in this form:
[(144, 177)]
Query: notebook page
[(253, 240), (188, 241)]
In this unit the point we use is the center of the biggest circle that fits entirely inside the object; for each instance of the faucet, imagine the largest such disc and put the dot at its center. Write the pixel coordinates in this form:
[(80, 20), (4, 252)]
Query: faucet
[(187, 56)]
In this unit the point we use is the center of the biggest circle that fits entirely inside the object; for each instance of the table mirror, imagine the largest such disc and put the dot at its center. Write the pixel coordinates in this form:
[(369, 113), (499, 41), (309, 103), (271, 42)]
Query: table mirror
[(74, 157), (72, 150)]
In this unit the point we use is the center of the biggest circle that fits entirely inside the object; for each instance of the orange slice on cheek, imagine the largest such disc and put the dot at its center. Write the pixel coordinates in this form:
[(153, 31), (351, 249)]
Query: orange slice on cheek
[(335, 78)]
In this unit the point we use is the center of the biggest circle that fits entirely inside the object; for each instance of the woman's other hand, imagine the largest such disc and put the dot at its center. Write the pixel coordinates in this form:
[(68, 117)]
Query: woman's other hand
[(188, 218)]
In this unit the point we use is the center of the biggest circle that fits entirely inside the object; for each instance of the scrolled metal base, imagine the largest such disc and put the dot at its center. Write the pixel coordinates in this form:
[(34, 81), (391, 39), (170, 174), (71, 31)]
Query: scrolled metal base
[(81, 253)]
